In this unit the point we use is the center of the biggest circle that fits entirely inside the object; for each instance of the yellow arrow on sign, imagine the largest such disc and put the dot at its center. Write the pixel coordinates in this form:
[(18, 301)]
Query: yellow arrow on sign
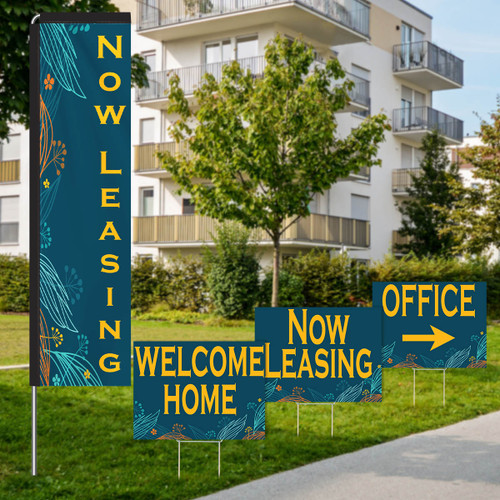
[(438, 337)]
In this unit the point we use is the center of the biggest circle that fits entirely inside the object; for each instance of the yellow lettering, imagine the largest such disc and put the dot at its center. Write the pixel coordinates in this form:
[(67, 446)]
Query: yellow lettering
[(165, 360), (446, 311), (367, 365), (103, 41), (466, 300), (228, 399), (293, 321), (173, 399), (114, 366), (103, 85), (110, 110), (106, 198), (106, 261), (104, 326), (390, 288), (109, 230), (104, 169), (142, 360)]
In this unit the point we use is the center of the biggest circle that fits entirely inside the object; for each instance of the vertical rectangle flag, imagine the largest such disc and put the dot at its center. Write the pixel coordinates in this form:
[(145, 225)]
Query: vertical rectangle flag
[(80, 200)]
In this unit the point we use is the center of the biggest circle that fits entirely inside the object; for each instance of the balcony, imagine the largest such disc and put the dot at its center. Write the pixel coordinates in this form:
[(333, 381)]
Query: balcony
[(196, 230), (190, 78), (330, 22), (397, 239), (9, 171), (414, 122), (146, 161), (428, 66), (402, 179)]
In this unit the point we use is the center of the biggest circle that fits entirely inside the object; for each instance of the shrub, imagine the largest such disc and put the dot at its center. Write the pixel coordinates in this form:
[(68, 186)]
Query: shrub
[(328, 281), (290, 291), (232, 272), (148, 278), (186, 287), (14, 283)]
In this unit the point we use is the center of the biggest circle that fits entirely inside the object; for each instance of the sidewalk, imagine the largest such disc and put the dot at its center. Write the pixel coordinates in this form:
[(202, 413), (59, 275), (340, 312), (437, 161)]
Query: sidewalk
[(461, 461)]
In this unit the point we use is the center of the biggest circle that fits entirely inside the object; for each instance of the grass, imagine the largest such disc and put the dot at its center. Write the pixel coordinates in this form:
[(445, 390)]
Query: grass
[(85, 434)]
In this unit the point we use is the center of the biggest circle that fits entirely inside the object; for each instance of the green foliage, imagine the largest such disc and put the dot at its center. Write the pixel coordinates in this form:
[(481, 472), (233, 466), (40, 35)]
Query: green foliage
[(15, 19), (198, 6), (185, 286), (329, 281), (148, 281), (290, 292), (431, 198), (14, 284), (232, 272), (475, 219), (267, 144)]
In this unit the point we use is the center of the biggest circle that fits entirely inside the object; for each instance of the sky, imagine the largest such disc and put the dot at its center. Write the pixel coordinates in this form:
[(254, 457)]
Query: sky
[(470, 30)]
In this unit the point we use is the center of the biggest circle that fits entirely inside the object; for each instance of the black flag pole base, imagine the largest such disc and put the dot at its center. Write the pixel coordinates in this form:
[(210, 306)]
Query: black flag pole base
[(179, 455), (313, 404), (431, 369)]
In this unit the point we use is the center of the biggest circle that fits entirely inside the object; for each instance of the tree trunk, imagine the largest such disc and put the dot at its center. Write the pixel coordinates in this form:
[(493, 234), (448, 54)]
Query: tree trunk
[(276, 270)]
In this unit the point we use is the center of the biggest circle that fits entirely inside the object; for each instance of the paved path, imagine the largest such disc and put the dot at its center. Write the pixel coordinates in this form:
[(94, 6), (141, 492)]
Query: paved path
[(461, 461)]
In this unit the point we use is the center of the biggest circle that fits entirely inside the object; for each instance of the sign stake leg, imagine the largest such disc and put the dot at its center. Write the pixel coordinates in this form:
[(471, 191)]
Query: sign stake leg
[(332, 419), (33, 431), (218, 468), (444, 387), (178, 459), (413, 386), (298, 417)]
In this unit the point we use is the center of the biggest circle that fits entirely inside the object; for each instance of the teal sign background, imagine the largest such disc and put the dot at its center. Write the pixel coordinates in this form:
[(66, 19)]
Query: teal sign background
[(363, 332), (150, 419), (73, 288), (466, 350)]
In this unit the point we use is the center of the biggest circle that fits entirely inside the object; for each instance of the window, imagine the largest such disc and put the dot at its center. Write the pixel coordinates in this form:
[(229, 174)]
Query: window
[(150, 59), (216, 52), (187, 206), (147, 130), (411, 55), (410, 156), (412, 104), (146, 208), (11, 149), (247, 47), (9, 220), (361, 89), (360, 207)]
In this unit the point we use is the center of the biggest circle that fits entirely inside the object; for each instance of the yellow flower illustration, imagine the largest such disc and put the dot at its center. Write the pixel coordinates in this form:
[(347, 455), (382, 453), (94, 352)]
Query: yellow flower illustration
[(278, 387), (87, 374), (259, 400), (46, 183), (49, 81)]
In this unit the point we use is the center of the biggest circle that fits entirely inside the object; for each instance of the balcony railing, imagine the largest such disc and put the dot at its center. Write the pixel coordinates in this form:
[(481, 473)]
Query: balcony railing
[(424, 118), (398, 239), (353, 14), (191, 77), (196, 229), (9, 171), (146, 159), (426, 55), (402, 179)]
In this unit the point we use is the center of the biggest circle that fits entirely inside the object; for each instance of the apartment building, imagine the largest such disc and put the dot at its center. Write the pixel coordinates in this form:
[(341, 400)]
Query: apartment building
[(384, 45)]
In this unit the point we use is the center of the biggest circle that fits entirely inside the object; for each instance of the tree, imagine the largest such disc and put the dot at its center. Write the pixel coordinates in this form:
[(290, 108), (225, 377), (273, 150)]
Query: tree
[(431, 198), (265, 144), (476, 217), (15, 19)]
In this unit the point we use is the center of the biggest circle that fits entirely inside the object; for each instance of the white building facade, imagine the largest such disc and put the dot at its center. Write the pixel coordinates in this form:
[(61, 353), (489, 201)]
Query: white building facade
[(384, 45)]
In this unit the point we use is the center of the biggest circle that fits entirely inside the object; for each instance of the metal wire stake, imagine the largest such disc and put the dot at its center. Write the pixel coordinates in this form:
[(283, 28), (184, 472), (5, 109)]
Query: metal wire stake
[(444, 387), (33, 431)]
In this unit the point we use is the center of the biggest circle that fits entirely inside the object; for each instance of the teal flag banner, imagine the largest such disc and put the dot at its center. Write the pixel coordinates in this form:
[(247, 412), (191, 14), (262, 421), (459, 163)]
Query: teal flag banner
[(80, 321), (432, 325), (321, 355)]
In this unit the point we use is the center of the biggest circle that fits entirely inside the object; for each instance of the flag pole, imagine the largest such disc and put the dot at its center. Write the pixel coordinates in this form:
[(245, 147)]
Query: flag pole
[(33, 431)]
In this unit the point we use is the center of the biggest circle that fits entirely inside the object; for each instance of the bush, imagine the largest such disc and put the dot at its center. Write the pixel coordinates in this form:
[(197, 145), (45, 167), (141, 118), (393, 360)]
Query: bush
[(148, 279), (290, 291), (14, 284), (232, 272), (328, 281), (186, 286)]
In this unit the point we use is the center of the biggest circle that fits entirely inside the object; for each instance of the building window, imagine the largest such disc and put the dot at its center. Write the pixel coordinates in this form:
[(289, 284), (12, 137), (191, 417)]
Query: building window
[(11, 149), (216, 52), (147, 130), (365, 75), (187, 206), (247, 46), (9, 220), (411, 157), (146, 208), (360, 207), (150, 59)]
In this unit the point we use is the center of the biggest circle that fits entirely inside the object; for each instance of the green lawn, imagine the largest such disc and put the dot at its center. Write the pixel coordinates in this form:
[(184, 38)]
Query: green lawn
[(85, 434)]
